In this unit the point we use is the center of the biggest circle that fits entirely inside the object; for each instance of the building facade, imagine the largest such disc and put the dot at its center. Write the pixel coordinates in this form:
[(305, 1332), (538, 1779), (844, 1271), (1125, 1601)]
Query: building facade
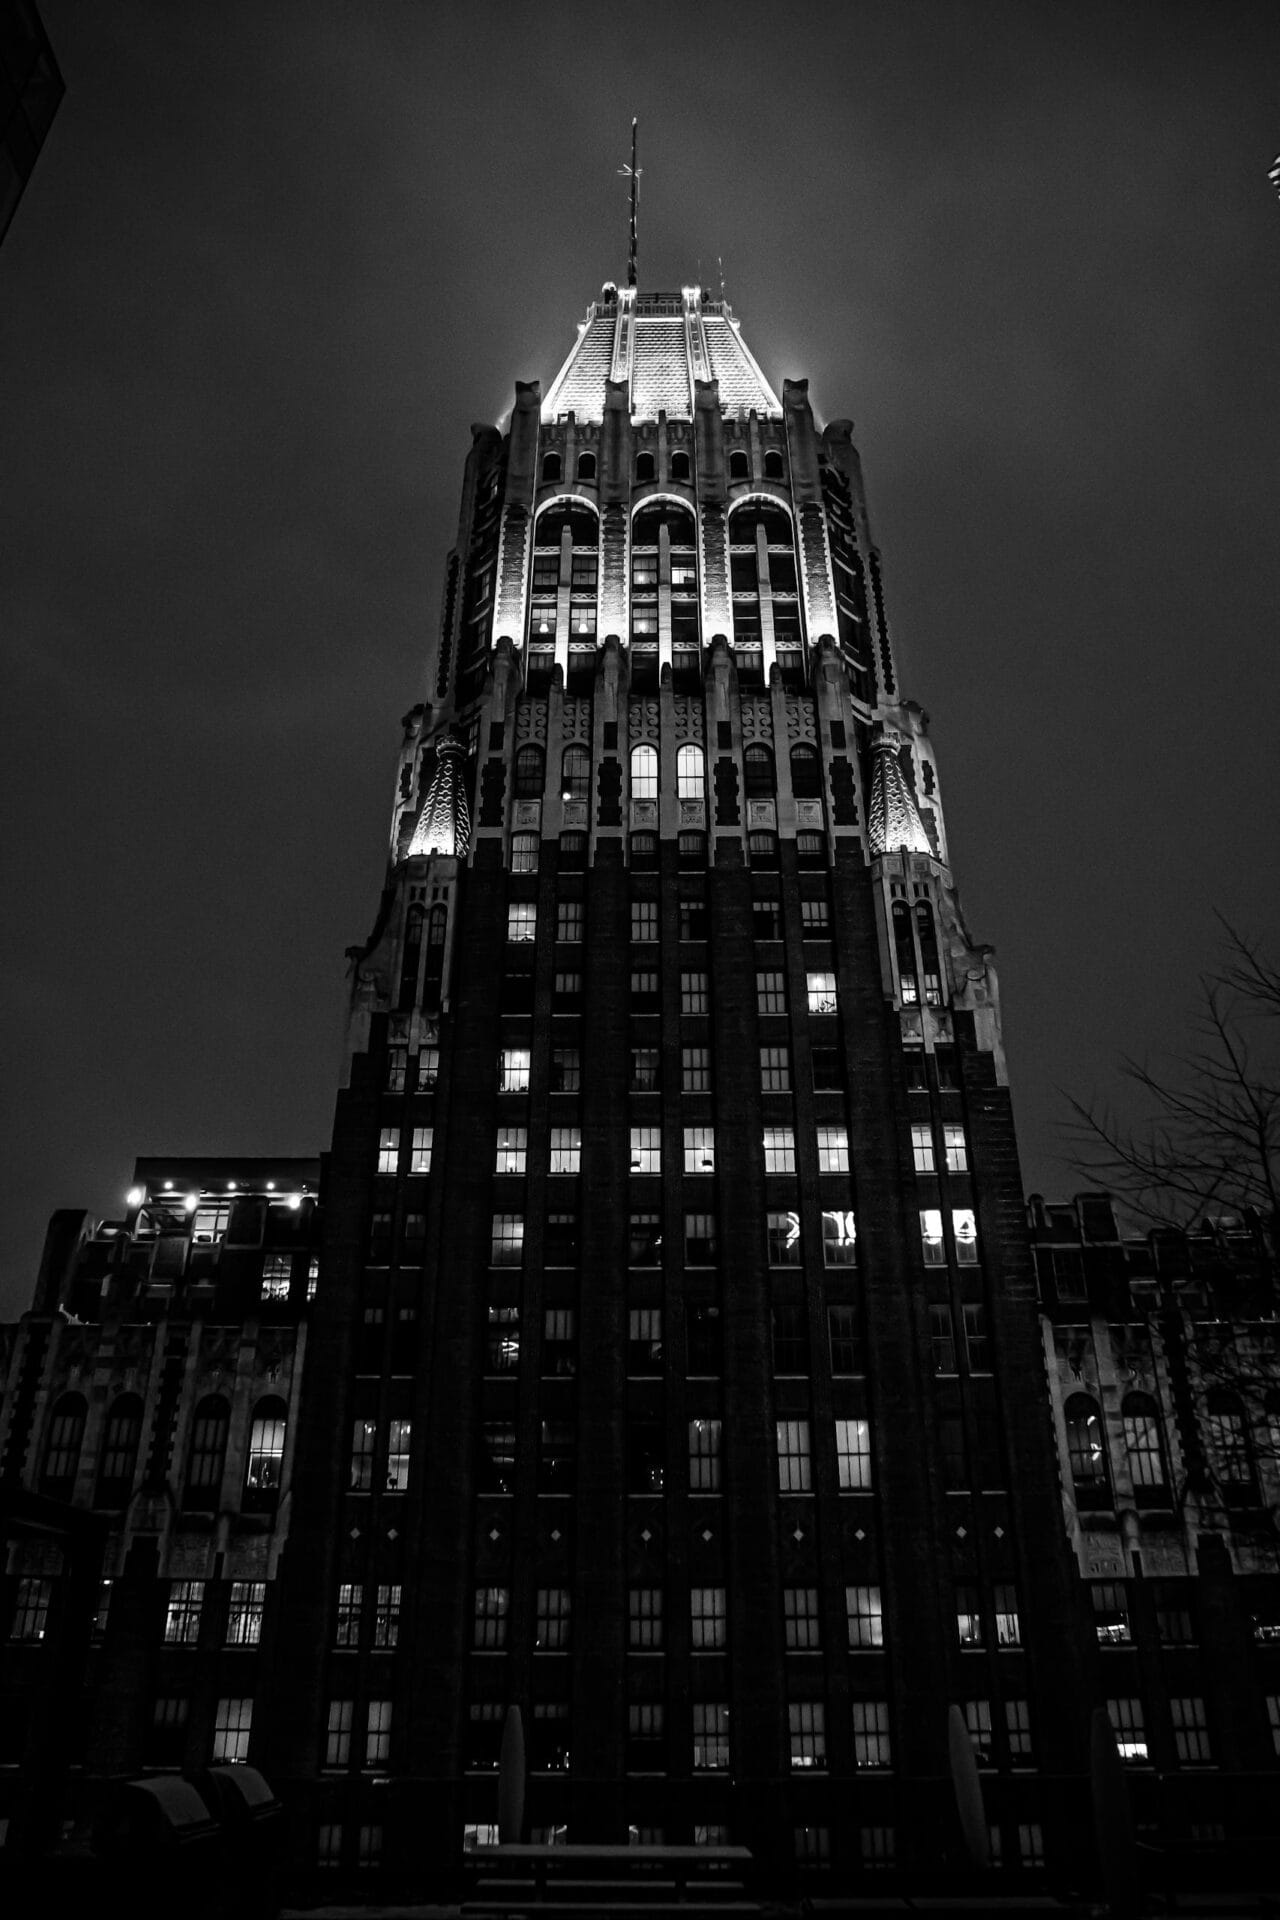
[(674, 1155)]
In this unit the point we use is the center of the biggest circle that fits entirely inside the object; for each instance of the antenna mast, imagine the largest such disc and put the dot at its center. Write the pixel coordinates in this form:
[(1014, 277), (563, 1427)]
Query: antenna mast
[(633, 174)]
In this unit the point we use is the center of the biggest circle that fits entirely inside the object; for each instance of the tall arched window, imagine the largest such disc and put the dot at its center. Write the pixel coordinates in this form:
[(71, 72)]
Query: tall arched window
[(758, 775), (806, 773), (739, 465), (773, 464), (644, 773), (645, 468), (1141, 1418), (690, 773), (680, 466), (433, 972), (551, 468), (62, 1447), (586, 466), (412, 955), (208, 1454), (119, 1458), (530, 776), (575, 774), (905, 951), (266, 1452), (1087, 1452), (929, 954)]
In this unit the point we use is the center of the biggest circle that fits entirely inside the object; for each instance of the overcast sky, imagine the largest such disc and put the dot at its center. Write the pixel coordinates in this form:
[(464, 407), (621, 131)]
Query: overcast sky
[(276, 258)]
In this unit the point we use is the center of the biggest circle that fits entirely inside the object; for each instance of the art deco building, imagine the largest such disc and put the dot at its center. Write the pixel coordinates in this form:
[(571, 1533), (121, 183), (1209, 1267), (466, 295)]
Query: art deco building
[(675, 1372)]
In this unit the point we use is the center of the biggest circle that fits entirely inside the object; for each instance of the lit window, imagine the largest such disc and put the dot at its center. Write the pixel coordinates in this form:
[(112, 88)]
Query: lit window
[(524, 853), (244, 1619), (865, 1616), (644, 920), (935, 1254), (644, 1340), (337, 1746), (965, 1228), (399, 1436), (782, 1235), (968, 1617), (771, 993), (522, 920), (566, 1149), (833, 1150), (853, 1455), (512, 1150), (794, 1466), (822, 992), (956, 1149), (977, 1719), (800, 1621), (1086, 1449), (695, 1070), (575, 763), (704, 1456), (1129, 1725), (1030, 1843), (877, 1847), (839, 1239), (1190, 1732), (386, 1616), (1008, 1623), (644, 1618), (232, 1722), (694, 996), (551, 1621), (922, 1149), (710, 1736), (506, 1248), (1110, 1613), (277, 1272), (569, 920), (707, 1623), (182, 1620), (699, 1149), (807, 1723), (420, 1154), (33, 1599), (644, 773), (266, 1449), (1142, 1441), (369, 1846), (689, 770), (397, 1069), (775, 1070), (646, 1149), (815, 918), (388, 1149), (346, 1631), (1273, 1719), (428, 1067), (490, 1623), (871, 1733), (779, 1150), (644, 984), (377, 1737)]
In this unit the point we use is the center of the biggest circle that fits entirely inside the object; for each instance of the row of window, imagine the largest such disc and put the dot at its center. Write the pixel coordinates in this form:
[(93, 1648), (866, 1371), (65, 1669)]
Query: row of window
[(678, 466), (763, 851), (645, 1345), (647, 1449), (122, 1435), (839, 1228), (644, 1076), (1228, 1431), (766, 920), (759, 772)]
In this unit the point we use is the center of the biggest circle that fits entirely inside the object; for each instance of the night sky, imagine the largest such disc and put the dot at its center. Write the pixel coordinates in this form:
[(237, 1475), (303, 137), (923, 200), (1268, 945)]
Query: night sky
[(276, 258)]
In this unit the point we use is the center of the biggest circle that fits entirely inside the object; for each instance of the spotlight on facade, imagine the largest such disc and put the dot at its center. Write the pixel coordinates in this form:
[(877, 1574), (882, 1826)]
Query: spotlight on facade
[(136, 1196), (295, 1201), (191, 1203)]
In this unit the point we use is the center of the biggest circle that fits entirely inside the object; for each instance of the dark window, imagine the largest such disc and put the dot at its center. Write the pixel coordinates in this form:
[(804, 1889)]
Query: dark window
[(790, 1338), (645, 468), (842, 1336), (679, 466), (551, 468), (586, 466), (702, 1324), (119, 1452), (208, 1453), (757, 770), (62, 1448), (806, 773), (773, 465), (530, 777), (739, 465)]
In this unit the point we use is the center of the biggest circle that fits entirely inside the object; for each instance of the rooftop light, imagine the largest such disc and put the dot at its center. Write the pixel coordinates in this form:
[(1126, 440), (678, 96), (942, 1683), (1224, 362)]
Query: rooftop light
[(136, 1196), (191, 1203), (295, 1201)]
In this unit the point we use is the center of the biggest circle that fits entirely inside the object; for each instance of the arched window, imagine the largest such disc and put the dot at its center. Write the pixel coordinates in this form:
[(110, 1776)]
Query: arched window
[(644, 773), (690, 773), (929, 954), (208, 1454), (806, 773), (905, 951), (773, 464), (739, 465), (586, 466), (119, 1458), (1232, 1452), (530, 774), (1141, 1419), (775, 521), (1087, 1452), (645, 467), (680, 466), (433, 972), (757, 769), (575, 774), (62, 1447), (412, 954), (584, 528), (552, 468), (266, 1452)]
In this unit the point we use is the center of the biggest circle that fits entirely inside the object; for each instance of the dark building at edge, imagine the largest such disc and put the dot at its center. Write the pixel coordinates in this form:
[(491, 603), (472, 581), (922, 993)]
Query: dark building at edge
[(676, 1362), (31, 88)]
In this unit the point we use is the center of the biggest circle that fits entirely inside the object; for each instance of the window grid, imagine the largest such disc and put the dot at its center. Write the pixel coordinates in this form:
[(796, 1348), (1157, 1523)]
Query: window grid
[(377, 1734), (644, 1618), (1190, 1731), (871, 1742), (807, 1727), (779, 1150), (865, 1616), (704, 1456), (708, 1626), (233, 1721), (794, 1462), (695, 1070), (710, 1736), (775, 1070), (182, 1619), (699, 1149), (551, 1621), (489, 1629), (833, 1150), (771, 993), (337, 1746), (244, 1617), (801, 1624), (420, 1151), (853, 1455), (347, 1619)]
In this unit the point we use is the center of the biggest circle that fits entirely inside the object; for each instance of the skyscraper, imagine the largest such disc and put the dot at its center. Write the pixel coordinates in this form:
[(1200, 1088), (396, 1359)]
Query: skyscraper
[(674, 1371)]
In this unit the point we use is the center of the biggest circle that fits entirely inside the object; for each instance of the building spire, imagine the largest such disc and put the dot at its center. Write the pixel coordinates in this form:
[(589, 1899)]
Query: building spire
[(632, 173)]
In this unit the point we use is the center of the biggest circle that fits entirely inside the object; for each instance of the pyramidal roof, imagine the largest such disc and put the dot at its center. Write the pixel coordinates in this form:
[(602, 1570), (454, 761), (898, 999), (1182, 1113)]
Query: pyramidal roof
[(660, 344)]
